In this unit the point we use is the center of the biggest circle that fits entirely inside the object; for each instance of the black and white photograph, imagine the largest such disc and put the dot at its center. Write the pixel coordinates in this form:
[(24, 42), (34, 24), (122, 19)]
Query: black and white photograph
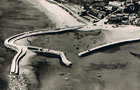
[(69, 44)]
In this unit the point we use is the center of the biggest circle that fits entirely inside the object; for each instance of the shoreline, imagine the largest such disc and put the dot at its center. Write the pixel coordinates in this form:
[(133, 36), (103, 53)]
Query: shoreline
[(30, 53), (17, 17)]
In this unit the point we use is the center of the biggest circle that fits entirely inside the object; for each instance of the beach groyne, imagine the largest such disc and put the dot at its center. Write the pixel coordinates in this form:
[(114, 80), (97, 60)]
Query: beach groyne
[(22, 50)]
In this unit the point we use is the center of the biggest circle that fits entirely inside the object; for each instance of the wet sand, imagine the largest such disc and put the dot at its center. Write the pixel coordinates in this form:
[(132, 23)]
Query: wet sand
[(111, 68)]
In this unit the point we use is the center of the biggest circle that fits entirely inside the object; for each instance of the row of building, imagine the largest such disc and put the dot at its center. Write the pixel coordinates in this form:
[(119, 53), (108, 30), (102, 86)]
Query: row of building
[(129, 14), (125, 19), (100, 2), (102, 8)]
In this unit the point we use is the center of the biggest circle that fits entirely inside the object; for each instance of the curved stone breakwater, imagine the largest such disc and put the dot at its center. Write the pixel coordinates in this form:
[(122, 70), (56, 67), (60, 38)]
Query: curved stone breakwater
[(22, 50), (84, 53)]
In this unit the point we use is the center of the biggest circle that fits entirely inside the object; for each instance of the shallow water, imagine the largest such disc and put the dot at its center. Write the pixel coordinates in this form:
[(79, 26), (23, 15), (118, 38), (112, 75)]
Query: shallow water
[(115, 68)]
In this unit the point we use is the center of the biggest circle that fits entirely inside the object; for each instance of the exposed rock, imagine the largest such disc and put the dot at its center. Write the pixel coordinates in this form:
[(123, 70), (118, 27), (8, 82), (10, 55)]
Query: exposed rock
[(67, 79), (19, 82), (87, 69), (1, 13), (61, 73), (100, 66), (135, 54), (99, 76), (2, 59), (69, 73)]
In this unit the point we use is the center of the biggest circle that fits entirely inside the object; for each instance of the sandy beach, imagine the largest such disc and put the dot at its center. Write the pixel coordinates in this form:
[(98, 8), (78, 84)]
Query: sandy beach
[(107, 69), (55, 13)]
